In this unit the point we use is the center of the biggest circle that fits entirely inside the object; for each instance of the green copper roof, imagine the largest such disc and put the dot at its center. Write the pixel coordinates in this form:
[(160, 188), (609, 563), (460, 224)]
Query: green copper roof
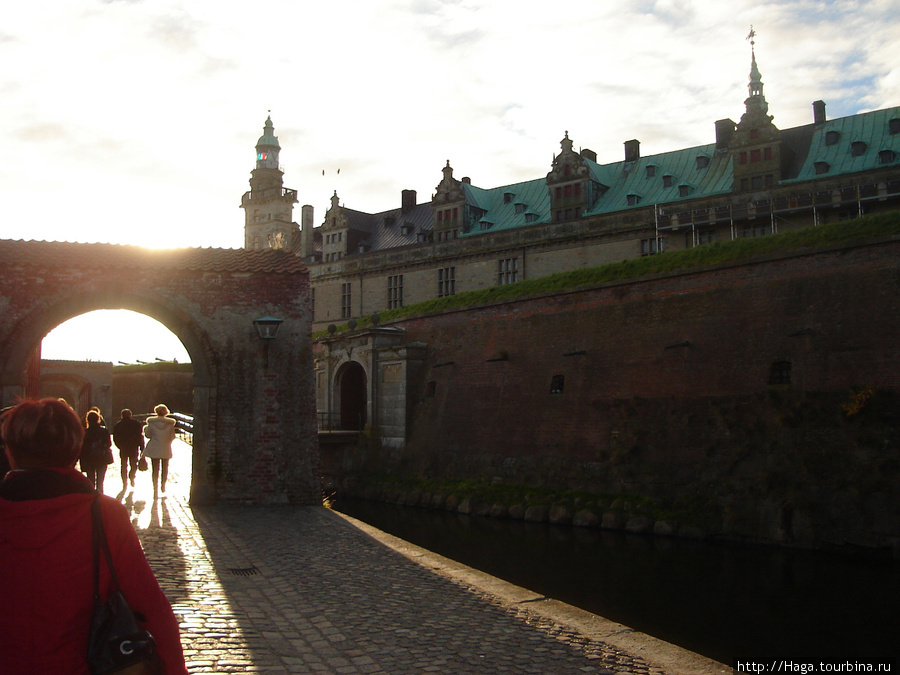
[(850, 145), (268, 139)]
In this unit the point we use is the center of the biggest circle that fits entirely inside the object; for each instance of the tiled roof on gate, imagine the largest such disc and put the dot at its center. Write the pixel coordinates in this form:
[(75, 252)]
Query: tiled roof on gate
[(18, 253)]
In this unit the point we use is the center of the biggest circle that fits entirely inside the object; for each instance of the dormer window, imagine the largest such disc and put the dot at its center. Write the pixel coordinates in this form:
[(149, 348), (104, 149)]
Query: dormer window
[(508, 197), (530, 217), (857, 148), (886, 156), (668, 181), (485, 225), (894, 126), (406, 228), (702, 161), (832, 137), (651, 171), (822, 167), (520, 208), (684, 190), (633, 200)]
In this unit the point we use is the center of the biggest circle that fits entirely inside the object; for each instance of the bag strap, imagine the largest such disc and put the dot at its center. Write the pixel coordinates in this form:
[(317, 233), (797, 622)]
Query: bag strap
[(100, 541)]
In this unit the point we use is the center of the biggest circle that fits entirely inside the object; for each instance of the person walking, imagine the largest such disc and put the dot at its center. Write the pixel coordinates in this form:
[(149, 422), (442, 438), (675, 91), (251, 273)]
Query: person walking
[(129, 439), (96, 451), (160, 430), (46, 551)]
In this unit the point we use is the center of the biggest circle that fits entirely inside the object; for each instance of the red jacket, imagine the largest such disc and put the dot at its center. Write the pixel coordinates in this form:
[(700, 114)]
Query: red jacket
[(46, 574)]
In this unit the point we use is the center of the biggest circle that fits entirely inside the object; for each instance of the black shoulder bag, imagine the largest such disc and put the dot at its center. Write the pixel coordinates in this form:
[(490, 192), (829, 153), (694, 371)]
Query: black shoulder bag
[(118, 643)]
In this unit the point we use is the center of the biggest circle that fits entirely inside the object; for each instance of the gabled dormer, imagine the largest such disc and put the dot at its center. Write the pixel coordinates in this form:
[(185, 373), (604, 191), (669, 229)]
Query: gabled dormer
[(756, 144), (449, 206), (568, 183), (335, 232)]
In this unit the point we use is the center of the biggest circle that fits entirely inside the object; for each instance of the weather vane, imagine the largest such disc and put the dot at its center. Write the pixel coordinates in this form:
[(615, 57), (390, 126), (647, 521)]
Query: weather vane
[(751, 35)]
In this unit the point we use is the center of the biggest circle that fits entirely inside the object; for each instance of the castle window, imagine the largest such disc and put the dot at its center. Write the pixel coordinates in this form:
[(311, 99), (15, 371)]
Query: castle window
[(684, 190), (651, 171), (767, 153), (633, 200), (508, 271), (312, 301), (508, 197), (446, 281), (346, 301), (651, 246), (559, 192), (577, 189), (857, 148), (886, 156), (780, 373), (822, 167), (756, 182), (743, 158), (702, 162), (520, 208), (557, 382), (667, 181), (832, 137), (395, 291), (530, 217), (894, 126), (755, 155), (485, 225)]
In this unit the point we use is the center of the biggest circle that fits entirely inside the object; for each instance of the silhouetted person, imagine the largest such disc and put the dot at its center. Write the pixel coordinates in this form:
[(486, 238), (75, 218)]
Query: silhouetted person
[(129, 439), (160, 430), (46, 557), (96, 451)]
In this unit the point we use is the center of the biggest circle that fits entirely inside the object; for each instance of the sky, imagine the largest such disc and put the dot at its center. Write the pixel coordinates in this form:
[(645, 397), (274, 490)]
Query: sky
[(135, 121)]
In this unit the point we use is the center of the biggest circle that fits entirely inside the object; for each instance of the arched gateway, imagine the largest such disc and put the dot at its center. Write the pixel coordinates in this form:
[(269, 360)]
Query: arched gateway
[(255, 437)]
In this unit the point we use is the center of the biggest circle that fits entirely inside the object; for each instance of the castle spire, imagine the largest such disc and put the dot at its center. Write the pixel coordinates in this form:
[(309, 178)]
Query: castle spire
[(756, 102)]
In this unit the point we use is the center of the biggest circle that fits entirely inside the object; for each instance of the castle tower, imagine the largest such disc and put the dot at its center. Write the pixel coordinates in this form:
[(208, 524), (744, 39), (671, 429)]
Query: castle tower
[(756, 144), (268, 206)]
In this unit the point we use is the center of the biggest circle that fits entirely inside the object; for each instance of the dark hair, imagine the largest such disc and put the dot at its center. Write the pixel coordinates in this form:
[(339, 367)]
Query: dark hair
[(41, 434), (126, 412)]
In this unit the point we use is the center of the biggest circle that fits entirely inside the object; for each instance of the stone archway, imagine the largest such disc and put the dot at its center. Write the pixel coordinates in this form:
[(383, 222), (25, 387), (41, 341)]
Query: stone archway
[(255, 432), (353, 394)]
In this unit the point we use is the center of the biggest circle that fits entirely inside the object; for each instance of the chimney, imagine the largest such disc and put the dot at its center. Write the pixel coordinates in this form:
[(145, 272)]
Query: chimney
[(408, 200), (589, 154), (819, 112), (724, 133), (306, 231), (632, 150), (467, 180)]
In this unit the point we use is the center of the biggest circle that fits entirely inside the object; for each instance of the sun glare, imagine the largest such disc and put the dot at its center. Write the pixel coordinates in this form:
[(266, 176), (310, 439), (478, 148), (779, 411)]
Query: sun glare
[(116, 336)]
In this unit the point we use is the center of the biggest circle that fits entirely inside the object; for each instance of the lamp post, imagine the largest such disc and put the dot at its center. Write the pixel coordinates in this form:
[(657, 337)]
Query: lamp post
[(267, 329)]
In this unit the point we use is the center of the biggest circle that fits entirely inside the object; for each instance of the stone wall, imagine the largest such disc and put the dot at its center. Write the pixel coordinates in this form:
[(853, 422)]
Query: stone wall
[(756, 400)]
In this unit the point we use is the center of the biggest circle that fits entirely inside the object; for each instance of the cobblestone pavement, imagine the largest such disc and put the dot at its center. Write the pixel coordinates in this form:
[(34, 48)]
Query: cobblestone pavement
[(304, 590)]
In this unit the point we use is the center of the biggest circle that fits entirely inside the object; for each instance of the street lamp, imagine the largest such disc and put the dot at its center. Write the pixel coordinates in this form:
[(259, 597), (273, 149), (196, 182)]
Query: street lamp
[(267, 329)]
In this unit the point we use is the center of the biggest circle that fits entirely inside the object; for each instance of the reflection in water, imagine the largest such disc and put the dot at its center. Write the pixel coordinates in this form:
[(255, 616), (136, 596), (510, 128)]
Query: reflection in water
[(718, 600)]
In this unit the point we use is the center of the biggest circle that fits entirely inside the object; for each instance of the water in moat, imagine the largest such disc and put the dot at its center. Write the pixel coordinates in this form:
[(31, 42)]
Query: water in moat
[(718, 600)]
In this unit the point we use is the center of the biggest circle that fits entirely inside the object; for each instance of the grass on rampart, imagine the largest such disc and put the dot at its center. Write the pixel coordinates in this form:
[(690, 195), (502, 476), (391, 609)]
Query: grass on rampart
[(822, 236)]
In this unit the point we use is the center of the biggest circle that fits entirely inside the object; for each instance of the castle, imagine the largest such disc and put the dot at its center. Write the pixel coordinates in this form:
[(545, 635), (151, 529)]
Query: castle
[(753, 180)]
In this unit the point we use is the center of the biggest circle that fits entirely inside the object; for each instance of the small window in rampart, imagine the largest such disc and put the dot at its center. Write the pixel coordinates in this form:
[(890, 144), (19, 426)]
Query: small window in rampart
[(557, 382), (780, 373)]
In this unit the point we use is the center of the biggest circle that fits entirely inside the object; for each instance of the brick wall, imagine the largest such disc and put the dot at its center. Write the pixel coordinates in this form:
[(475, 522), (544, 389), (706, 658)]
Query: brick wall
[(663, 389)]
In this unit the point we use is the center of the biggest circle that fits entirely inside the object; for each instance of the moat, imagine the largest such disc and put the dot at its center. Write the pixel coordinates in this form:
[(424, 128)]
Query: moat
[(718, 600)]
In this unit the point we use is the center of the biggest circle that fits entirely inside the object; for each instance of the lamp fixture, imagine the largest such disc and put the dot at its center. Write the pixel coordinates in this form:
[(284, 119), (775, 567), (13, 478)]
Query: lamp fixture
[(267, 329)]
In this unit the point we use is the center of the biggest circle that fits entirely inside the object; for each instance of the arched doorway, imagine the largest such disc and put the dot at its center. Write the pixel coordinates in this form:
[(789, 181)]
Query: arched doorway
[(353, 393)]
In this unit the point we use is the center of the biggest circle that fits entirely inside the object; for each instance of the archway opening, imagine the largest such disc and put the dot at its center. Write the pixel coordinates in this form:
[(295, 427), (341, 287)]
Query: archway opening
[(354, 397), (115, 360)]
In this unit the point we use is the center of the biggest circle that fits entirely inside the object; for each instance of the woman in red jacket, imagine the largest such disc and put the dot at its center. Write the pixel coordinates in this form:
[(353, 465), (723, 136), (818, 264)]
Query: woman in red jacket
[(46, 551)]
